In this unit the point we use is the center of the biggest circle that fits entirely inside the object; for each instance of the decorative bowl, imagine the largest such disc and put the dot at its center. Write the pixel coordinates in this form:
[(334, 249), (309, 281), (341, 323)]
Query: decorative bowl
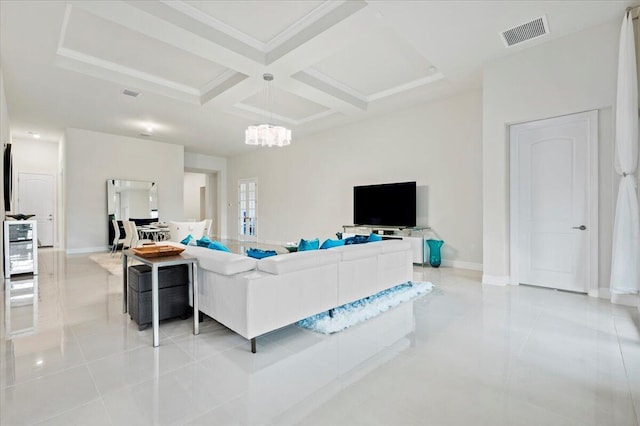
[(20, 216), (291, 247)]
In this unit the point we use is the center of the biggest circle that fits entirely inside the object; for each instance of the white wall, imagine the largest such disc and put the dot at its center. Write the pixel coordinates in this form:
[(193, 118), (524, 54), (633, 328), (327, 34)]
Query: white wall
[(5, 137), (572, 74), (306, 189), (41, 157), (92, 158), (192, 184)]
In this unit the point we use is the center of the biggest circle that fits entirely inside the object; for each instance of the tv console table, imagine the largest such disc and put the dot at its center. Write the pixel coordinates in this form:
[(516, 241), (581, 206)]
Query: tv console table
[(415, 235)]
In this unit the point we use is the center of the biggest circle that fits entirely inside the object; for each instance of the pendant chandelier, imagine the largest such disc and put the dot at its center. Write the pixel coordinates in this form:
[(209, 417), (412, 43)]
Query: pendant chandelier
[(267, 134)]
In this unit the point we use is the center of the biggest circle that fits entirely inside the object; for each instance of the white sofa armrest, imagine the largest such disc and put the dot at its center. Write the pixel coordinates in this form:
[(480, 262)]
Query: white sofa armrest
[(221, 262)]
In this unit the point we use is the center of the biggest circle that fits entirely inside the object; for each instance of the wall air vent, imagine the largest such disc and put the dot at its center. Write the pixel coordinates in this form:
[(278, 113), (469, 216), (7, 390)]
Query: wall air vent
[(528, 31), (131, 93)]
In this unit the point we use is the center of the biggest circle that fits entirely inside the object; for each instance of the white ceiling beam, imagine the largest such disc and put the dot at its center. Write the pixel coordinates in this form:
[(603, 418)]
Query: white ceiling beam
[(144, 22), (311, 30)]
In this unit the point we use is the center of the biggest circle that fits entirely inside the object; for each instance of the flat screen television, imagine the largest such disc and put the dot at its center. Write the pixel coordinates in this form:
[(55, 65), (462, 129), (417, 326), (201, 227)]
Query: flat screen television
[(390, 204)]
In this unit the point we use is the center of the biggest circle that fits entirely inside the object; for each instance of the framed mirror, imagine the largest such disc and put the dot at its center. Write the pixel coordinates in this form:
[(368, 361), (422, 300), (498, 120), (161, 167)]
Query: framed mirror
[(131, 200)]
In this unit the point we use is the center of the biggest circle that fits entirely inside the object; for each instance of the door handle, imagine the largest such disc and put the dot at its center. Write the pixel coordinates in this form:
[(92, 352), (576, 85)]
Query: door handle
[(581, 227)]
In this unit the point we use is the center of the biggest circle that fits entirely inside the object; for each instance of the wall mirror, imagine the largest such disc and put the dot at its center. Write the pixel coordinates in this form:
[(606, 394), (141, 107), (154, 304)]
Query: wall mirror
[(130, 199)]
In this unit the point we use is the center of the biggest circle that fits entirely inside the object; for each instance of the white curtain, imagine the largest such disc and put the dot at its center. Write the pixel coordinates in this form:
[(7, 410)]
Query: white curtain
[(625, 262)]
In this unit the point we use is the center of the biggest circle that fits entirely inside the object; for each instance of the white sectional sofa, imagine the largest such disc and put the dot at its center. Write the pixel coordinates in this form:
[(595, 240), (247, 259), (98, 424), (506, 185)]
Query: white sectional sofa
[(253, 297)]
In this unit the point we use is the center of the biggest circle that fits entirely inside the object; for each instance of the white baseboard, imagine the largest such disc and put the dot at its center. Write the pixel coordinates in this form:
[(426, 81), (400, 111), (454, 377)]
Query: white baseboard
[(619, 299), (625, 299), (500, 280), (604, 293), (461, 264), (87, 250)]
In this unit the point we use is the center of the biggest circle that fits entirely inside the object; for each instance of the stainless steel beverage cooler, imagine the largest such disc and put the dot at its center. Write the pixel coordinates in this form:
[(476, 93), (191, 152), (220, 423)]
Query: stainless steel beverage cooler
[(20, 247)]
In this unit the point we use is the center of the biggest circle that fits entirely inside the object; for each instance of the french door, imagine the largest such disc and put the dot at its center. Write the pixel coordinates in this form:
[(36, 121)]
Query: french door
[(247, 209)]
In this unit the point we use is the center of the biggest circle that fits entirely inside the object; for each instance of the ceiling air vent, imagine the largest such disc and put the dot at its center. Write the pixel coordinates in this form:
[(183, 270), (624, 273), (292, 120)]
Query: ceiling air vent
[(527, 31), (131, 93)]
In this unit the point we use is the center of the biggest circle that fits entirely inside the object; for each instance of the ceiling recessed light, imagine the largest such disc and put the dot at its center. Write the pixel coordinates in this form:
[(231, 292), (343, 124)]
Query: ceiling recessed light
[(35, 135), (149, 129)]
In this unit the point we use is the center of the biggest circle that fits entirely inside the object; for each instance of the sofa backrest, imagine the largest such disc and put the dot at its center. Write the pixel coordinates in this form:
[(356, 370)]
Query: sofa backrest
[(180, 230), (358, 251), (392, 246), (292, 262)]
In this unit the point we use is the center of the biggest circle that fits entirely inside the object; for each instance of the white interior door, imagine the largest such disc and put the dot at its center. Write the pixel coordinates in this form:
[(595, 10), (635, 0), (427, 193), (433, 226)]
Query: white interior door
[(554, 202), (36, 195)]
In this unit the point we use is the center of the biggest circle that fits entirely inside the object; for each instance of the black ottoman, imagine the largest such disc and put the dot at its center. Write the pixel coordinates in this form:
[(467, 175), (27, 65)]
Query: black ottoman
[(173, 294)]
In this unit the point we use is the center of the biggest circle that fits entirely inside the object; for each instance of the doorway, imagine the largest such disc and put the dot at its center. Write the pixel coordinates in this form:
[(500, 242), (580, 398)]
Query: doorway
[(554, 202), (36, 195)]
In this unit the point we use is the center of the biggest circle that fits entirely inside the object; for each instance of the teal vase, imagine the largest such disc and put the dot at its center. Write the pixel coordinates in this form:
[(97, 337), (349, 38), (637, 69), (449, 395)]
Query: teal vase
[(435, 259)]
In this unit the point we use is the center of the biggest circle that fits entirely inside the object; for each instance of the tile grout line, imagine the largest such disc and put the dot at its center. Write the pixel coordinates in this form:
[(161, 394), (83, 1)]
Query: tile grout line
[(626, 372)]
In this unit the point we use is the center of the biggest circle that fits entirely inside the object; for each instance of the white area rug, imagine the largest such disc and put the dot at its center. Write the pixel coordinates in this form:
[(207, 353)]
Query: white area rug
[(112, 263), (361, 310)]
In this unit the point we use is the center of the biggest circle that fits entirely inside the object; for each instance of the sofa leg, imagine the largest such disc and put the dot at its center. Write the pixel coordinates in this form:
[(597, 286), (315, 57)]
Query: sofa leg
[(331, 313), (253, 345)]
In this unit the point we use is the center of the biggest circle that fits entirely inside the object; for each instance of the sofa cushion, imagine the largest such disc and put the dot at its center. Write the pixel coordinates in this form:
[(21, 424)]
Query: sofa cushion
[(329, 243), (374, 237), (297, 261), (217, 245), (220, 262), (257, 253), (305, 245), (358, 251), (204, 241)]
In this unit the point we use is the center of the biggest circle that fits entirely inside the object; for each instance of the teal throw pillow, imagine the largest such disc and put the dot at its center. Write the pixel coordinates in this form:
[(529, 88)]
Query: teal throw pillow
[(374, 237), (187, 240), (216, 245), (257, 253), (304, 245), (204, 242), (328, 243)]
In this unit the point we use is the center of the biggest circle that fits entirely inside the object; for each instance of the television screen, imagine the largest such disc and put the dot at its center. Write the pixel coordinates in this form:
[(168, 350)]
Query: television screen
[(391, 204)]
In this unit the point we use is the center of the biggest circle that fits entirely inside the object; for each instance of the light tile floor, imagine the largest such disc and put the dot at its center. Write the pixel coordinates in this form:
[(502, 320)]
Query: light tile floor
[(463, 355)]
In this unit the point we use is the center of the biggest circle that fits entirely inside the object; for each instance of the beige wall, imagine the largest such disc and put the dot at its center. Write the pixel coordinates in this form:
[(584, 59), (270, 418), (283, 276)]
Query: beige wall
[(572, 74), (215, 169), (192, 184), (92, 158), (5, 137), (306, 189)]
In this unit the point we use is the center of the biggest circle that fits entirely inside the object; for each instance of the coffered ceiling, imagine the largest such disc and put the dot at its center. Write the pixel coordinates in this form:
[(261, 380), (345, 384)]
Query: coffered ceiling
[(198, 65)]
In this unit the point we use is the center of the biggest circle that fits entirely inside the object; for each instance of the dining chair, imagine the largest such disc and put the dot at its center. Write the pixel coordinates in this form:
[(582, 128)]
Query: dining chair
[(207, 227), (116, 239), (134, 234)]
